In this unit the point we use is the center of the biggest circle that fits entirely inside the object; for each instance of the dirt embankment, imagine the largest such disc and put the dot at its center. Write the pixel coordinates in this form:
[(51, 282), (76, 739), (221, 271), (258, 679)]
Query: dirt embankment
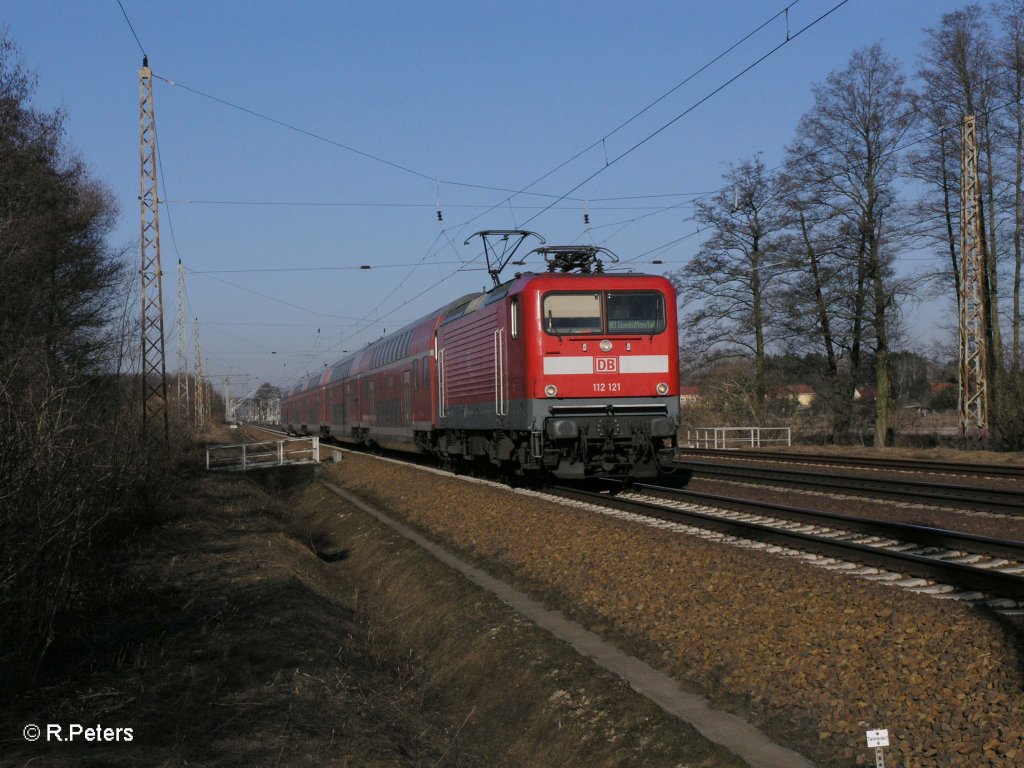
[(276, 627), (813, 657)]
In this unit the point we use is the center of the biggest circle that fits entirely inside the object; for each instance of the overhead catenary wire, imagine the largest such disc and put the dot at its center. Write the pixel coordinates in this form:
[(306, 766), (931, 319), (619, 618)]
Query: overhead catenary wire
[(438, 181), (647, 138), (132, 28), (636, 258), (463, 263), (662, 97), (269, 297), (809, 155), (367, 204), (688, 110), (602, 141)]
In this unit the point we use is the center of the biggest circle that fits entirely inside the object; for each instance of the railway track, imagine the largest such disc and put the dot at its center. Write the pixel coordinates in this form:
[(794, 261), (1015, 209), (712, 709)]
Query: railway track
[(944, 468), (943, 494), (934, 561)]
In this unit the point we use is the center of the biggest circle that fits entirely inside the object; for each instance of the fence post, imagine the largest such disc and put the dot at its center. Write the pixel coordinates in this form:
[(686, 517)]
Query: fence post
[(316, 449), (207, 459), (280, 453), (243, 457)]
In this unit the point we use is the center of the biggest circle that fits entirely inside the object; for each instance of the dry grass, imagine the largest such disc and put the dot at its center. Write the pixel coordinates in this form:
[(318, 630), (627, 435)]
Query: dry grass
[(282, 629)]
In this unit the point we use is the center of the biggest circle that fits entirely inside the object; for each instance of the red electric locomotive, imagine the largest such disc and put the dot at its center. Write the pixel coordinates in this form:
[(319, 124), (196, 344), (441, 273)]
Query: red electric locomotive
[(574, 372)]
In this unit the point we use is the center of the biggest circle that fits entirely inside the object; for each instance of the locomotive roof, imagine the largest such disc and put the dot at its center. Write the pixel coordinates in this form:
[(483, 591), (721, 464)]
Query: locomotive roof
[(468, 303), (311, 381)]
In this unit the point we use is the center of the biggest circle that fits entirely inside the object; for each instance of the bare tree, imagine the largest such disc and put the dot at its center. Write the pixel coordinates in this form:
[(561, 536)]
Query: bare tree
[(959, 71), (846, 152), (60, 278), (69, 460), (822, 292), (1010, 52), (728, 287)]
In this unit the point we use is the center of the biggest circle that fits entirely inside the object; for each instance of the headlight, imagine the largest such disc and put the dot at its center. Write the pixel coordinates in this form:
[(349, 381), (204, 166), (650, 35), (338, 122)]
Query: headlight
[(606, 346), (550, 390), (661, 389)]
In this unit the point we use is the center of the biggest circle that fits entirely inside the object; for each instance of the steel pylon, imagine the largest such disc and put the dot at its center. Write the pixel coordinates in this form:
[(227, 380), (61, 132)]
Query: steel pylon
[(973, 401), (154, 370)]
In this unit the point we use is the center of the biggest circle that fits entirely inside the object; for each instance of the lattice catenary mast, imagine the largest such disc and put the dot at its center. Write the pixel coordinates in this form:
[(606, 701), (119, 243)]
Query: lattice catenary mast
[(973, 405), (183, 394), (154, 371), (200, 398)]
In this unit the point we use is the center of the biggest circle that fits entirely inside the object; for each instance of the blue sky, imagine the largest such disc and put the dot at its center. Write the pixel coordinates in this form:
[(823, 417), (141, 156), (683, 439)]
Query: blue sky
[(456, 93)]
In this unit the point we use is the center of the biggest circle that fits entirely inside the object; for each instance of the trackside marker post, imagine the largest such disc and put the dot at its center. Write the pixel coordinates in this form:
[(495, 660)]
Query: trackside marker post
[(878, 740)]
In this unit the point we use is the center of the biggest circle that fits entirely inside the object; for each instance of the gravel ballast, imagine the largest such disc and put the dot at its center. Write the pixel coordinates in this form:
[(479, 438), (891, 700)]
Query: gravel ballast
[(812, 657)]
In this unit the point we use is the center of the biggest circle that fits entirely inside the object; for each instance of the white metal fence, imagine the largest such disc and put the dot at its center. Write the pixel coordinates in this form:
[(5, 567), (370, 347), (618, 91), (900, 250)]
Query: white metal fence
[(268, 453), (737, 437)]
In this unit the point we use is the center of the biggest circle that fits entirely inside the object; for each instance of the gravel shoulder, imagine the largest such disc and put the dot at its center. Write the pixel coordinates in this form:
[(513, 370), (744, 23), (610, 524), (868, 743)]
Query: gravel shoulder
[(811, 657)]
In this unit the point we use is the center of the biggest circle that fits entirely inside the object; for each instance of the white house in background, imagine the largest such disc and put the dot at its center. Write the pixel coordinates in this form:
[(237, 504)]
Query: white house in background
[(689, 395), (804, 394)]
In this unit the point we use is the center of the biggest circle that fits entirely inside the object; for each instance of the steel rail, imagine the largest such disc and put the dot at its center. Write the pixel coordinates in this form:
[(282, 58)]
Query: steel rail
[(922, 535), (987, 580), (861, 462), (969, 497)]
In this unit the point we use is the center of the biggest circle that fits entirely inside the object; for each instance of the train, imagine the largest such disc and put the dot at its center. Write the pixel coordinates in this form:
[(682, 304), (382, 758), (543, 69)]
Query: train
[(571, 373)]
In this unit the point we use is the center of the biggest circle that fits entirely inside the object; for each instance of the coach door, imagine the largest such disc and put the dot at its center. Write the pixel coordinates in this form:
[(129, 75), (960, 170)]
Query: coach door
[(442, 383), (406, 399), (500, 379), (357, 402)]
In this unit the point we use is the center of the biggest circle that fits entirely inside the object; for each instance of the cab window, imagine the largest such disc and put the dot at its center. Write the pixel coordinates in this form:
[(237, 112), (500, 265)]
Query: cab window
[(642, 313), (572, 313), (607, 312)]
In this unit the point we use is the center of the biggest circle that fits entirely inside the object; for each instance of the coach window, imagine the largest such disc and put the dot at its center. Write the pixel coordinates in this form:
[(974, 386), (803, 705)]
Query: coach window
[(572, 313), (514, 317), (635, 312)]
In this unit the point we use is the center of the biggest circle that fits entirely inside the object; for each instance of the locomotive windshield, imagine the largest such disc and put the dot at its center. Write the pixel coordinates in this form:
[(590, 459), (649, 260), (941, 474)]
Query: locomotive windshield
[(635, 312), (572, 313), (608, 312)]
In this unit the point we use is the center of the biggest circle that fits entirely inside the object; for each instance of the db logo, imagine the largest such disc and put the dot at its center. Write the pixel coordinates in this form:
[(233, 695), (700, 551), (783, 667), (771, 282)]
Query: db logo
[(606, 364)]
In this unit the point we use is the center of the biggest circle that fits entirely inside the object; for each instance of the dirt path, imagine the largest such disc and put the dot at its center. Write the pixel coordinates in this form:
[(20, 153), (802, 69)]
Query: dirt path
[(264, 626)]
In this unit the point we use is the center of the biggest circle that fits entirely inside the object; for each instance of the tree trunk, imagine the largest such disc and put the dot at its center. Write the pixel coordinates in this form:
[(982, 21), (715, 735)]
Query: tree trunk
[(883, 431), (841, 400), (758, 322), (947, 212), (1018, 217), (989, 254)]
